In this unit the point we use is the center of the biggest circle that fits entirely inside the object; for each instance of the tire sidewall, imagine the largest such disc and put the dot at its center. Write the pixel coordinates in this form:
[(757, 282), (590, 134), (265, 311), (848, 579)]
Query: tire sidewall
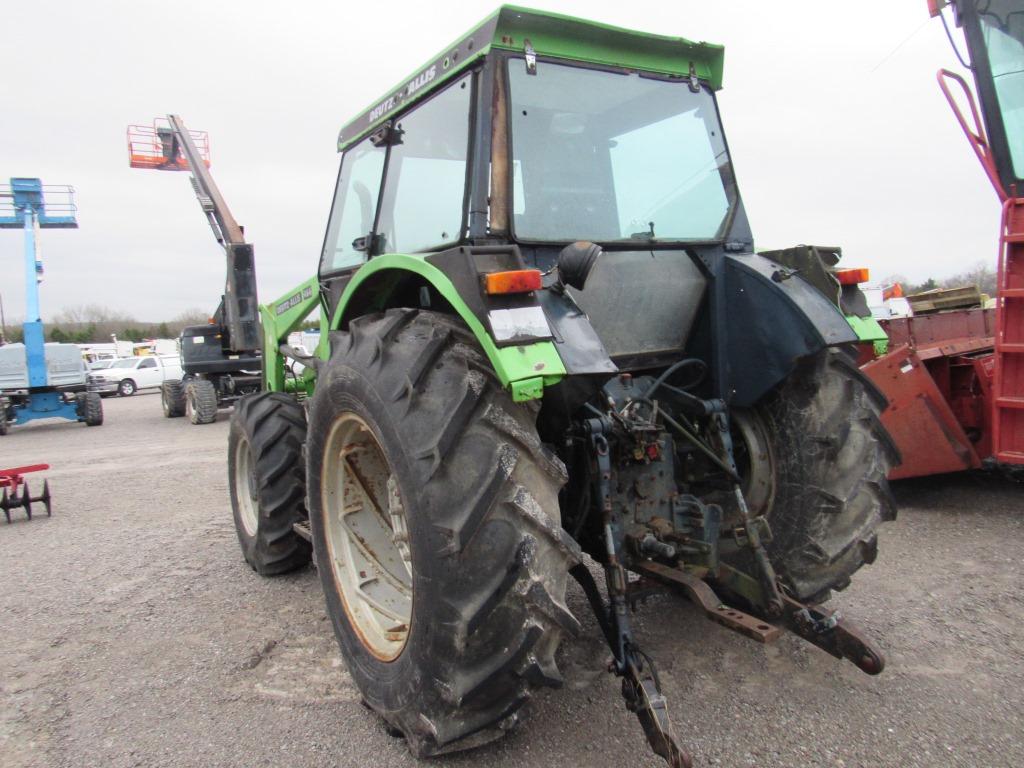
[(126, 388), (237, 433), (165, 401), (386, 685), (191, 406)]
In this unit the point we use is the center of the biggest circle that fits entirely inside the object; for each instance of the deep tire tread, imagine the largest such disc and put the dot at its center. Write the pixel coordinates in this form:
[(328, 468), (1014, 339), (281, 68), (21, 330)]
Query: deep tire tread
[(201, 396), (498, 627), (275, 426), (172, 396), (834, 455)]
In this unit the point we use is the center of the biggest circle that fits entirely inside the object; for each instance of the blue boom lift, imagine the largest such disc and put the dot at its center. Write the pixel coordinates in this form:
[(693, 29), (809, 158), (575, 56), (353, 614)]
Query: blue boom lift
[(40, 380)]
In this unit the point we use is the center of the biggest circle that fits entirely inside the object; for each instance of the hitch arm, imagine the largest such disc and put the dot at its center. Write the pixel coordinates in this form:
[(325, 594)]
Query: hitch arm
[(641, 688), (832, 634)]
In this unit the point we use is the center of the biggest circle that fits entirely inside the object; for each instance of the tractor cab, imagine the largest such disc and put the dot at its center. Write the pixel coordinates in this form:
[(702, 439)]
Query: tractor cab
[(536, 131)]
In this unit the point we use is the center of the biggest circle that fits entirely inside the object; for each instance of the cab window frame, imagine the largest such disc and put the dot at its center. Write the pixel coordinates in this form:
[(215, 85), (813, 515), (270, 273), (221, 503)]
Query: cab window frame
[(472, 77)]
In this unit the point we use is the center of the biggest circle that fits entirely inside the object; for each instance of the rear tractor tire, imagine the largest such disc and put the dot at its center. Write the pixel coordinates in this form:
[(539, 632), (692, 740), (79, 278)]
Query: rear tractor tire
[(201, 401), (815, 456), (172, 399), (435, 522), (267, 482)]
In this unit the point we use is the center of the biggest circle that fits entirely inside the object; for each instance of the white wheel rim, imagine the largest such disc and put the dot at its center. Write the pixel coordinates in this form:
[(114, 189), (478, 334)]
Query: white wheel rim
[(246, 488), (759, 472), (367, 537)]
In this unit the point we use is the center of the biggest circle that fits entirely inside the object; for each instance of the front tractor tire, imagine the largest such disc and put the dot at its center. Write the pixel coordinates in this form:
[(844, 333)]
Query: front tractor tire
[(815, 456), (266, 478), (435, 523)]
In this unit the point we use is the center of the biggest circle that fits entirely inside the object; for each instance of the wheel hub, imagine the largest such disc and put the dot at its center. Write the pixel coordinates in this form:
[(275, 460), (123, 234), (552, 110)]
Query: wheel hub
[(367, 537), (246, 489), (754, 460)]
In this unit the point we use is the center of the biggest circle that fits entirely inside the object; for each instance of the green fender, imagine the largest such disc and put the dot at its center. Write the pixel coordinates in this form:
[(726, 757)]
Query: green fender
[(525, 369), (869, 330)]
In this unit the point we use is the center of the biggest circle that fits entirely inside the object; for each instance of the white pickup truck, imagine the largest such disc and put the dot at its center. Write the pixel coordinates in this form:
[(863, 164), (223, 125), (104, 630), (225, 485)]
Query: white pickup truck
[(130, 374)]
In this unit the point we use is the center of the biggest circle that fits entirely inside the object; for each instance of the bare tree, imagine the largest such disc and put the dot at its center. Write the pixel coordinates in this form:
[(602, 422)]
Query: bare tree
[(191, 316), (981, 274)]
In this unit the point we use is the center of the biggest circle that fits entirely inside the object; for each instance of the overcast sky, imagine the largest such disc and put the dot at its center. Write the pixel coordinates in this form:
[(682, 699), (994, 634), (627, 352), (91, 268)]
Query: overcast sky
[(838, 132)]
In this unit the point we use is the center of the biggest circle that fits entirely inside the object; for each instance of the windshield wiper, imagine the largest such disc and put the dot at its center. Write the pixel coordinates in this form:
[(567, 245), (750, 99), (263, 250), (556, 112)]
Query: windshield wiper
[(648, 235)]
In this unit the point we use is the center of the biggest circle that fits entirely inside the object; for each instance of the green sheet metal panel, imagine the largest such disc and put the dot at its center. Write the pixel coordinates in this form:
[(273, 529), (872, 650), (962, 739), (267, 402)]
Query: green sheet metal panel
[(550, 34)]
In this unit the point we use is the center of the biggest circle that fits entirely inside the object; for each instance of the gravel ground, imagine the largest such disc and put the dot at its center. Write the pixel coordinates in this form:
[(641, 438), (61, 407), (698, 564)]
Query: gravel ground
[(134, 634)]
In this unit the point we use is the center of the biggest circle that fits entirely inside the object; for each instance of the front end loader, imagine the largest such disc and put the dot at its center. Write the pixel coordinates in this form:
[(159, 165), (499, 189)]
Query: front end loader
[(549, 349)]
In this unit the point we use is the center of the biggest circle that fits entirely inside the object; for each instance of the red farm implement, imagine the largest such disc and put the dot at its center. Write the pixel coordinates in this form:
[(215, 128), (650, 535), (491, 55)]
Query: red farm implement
[(955, 380), (938, 378), (14, 478)]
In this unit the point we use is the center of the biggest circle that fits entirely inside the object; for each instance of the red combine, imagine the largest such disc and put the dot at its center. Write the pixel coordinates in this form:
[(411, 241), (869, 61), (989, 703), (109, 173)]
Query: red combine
[(955, 380)]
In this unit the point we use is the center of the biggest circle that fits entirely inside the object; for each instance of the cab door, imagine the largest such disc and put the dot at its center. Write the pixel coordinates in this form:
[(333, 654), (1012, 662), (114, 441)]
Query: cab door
[(148, 374)]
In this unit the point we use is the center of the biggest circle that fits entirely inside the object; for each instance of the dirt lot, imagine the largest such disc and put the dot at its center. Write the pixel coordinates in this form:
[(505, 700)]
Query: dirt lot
[(134, 634)]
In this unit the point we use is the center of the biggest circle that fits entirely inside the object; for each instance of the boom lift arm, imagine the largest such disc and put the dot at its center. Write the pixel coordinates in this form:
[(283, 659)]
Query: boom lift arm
[(172, 147)]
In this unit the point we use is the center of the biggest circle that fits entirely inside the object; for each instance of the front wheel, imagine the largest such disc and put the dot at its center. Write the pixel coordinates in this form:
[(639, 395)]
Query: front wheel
[(267, 483), (89, 408), (126, 388), (201, 401), (435, 521)]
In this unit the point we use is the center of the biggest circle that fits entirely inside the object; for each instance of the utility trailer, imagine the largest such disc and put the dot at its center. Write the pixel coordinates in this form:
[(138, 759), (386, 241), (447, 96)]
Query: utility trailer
[(221, 360)]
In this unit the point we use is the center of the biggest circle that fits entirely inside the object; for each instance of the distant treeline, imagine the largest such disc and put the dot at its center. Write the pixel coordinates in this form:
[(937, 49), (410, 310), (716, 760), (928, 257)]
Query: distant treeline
[(981, 274), (93, 324)]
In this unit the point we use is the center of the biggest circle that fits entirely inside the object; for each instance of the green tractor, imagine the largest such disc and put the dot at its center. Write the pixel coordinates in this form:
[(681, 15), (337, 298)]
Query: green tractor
[(545, 335)]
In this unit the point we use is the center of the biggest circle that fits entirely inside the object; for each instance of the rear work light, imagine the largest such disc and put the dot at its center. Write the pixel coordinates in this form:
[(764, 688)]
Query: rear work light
[(512, 281), (853, 276)]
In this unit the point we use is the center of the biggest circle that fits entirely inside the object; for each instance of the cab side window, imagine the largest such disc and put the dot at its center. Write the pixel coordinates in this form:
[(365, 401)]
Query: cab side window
[(424, 192), (148, 363), (355, 206)]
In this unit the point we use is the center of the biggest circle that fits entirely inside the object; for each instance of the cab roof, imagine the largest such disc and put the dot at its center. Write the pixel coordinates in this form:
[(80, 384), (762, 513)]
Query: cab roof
[(553, 35)]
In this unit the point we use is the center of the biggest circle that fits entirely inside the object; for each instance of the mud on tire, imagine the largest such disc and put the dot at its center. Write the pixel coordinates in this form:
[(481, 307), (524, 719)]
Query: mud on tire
[(266, 478), (829, 455), (489, 559)]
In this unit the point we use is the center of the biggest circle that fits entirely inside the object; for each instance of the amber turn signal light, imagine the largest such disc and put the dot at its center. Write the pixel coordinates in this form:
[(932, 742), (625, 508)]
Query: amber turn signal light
[(853, 276), (512, 281)]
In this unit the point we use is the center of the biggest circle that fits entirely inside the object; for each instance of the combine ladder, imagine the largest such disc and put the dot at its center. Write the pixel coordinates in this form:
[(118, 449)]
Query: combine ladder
[(1008, 381)]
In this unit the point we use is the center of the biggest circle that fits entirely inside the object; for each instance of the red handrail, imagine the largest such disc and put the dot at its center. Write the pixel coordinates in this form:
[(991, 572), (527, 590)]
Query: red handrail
[(976, 135)]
